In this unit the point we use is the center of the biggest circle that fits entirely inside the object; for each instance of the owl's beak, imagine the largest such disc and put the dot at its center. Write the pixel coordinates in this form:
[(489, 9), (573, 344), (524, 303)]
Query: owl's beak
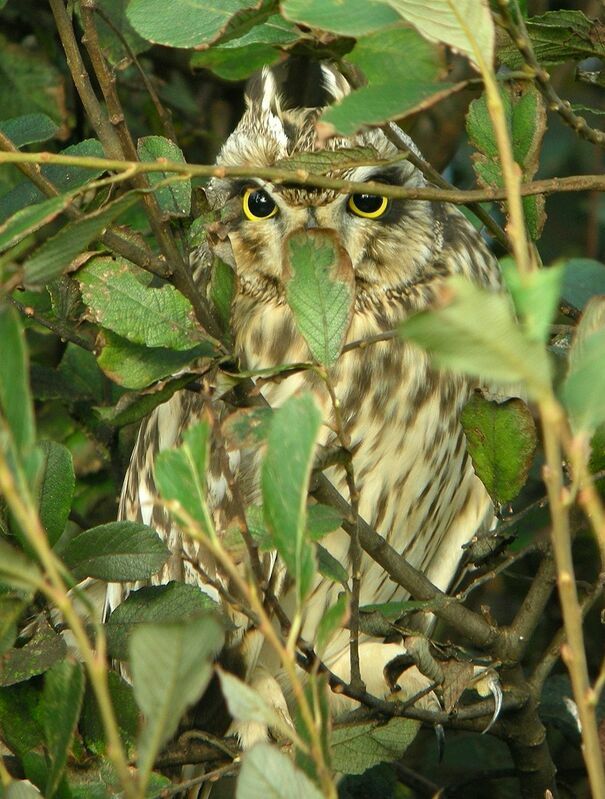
[(311, 222)]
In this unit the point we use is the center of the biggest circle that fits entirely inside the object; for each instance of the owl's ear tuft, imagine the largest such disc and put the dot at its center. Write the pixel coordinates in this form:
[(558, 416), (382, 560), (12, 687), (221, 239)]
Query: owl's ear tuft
[(334, 82), (262, 92)]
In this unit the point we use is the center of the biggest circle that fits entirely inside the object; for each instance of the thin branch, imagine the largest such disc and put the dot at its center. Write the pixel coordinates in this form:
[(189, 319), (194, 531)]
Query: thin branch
[(301, 177), (64, 331), (164, 116), (574, 653), (393, 133), (55, 589), (473, 625), (553, 650), (354, 546), (520, 37)]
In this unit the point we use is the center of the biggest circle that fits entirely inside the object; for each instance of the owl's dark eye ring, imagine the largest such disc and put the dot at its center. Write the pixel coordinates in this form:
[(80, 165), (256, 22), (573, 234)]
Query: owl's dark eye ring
[(258, 204), (368, 206)]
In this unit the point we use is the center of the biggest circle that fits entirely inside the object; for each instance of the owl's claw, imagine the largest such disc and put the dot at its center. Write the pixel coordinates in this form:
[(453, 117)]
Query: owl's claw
[(495, 690), (440, 734)]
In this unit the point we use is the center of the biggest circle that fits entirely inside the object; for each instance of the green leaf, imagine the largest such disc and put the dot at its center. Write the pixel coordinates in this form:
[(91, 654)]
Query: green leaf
[(117, 552), (15, 399), (132, 407), (161, 604), (536, 297), (332, 619), (501, 440), (353, 18), (21, 789), (248, 705), (184, 23), (222, 291), (56, 488), (137, 366), (171, 666), (126, 710), (17, 570), (12, 605), (285, 474), (321, 162), (584, 387), (36, 657), (267, 773), (357, 747), (180, 475), (320, 291), (19, 717), (174, 199), (62, 697), (28, 129), (403, 71), (473, 332), (230, 64), (237, 58), (584, 278), (321, 520), (29, 83), (329, 567), (526, 119), (30, 219), (57, 253), (117, 294), (466, 27), (556, 37)]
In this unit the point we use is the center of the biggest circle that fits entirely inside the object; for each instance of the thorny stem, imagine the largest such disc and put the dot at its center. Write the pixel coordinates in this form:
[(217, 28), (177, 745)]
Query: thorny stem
[(301, 177), (55, 589), (573, 653)]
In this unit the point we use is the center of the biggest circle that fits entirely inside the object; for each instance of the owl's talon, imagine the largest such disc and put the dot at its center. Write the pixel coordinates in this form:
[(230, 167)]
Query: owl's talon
[(440, 734), (495, 690)]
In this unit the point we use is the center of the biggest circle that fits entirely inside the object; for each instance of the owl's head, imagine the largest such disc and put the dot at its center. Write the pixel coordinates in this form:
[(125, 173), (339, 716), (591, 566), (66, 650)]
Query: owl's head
[(388, 241)]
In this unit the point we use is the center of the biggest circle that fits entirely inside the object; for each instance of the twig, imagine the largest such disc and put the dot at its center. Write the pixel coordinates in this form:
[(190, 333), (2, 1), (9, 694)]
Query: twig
[(573, 652), (62, 330), (553, 650), (183, 278), (473, 625), (393, 133), (520, 37), (54, 587), (164, 116), (354, 546), (301, 177)]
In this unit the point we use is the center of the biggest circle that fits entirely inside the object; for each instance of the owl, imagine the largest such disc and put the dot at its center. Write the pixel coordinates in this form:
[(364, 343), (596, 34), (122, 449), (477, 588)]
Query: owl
[(417, 487)]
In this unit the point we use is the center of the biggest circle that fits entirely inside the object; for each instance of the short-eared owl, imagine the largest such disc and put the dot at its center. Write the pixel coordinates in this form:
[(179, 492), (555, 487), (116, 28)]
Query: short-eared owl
[(416, 483)]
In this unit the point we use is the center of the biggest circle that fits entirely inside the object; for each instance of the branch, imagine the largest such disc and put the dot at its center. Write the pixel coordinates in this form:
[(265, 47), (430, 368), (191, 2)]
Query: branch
[(301, 177), (574, 653), (474, 626)]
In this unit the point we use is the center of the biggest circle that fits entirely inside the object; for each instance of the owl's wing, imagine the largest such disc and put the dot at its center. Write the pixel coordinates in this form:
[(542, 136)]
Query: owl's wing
[(189, 562)]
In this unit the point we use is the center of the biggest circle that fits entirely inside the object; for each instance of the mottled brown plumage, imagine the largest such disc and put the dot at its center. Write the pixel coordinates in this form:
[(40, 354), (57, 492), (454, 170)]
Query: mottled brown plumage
[(417, 484)]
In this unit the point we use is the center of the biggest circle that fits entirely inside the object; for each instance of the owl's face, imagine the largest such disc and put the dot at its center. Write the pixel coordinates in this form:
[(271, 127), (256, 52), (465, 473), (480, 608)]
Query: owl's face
[(388, 241)]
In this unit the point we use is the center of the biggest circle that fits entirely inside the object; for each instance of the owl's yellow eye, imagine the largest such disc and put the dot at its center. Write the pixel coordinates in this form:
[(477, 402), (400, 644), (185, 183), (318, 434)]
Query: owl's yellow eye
[(258, 205), (369, 206)]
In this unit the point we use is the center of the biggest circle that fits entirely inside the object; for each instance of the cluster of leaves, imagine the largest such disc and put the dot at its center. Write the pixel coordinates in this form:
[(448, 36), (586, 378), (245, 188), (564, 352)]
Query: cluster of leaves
[(96, 321)]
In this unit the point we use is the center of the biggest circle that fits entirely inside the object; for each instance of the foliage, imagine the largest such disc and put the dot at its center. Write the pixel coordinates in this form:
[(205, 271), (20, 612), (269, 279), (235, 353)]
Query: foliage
[(100, 322)]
